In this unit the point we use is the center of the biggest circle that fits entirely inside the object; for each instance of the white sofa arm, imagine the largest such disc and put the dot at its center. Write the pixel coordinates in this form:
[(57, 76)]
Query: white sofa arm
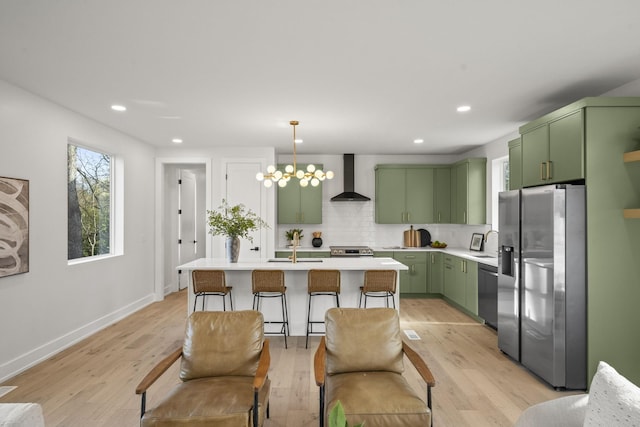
[(567, 411), (21, 415)]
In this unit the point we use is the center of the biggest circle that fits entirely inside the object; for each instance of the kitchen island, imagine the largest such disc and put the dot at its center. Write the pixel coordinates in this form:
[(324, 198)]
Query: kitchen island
[(238, 275)]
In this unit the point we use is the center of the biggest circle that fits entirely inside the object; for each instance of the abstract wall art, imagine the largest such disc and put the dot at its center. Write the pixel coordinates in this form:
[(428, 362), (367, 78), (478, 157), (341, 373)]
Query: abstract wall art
[(14, 226)]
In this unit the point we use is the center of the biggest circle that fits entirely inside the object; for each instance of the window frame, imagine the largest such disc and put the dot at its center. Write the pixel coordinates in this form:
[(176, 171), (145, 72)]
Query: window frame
[(116, 204)]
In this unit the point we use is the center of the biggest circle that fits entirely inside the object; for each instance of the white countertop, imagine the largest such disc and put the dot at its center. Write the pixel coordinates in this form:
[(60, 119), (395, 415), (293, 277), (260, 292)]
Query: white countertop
[(303, 264)]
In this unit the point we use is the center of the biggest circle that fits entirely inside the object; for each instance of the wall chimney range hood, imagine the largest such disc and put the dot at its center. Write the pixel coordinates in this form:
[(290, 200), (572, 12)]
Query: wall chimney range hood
[(349, 194)]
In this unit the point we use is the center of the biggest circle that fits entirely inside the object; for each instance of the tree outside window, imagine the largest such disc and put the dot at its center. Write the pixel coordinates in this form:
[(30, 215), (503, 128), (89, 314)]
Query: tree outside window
[(89, 202)]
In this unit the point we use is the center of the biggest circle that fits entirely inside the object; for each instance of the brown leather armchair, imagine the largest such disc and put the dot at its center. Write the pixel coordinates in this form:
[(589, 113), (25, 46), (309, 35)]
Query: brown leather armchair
[(360, 363), (224, 365)]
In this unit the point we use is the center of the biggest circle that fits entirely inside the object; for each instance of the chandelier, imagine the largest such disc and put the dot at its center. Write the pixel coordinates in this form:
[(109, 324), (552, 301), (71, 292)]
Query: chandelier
[(311, 175)]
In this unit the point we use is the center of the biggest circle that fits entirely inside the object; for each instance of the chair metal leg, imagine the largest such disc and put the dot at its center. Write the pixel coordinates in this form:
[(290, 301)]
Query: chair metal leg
[(230, 300), (306, 343), (204, 296), (256, 411), (143, 404), (195, 302), (285, 318), (321, 417)]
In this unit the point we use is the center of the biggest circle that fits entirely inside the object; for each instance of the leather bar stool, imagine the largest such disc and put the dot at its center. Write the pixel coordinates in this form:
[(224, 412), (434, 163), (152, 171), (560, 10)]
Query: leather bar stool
[(270, 284), (379, 284), (210, 283), (321, 282)]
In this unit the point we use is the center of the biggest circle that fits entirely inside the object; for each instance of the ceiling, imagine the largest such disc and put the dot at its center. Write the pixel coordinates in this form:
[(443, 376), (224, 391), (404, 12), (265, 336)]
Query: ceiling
[(361, 76)]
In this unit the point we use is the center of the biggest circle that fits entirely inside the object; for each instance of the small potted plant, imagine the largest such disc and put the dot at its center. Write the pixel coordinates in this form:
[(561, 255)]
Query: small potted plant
[(290, 235), (234, 222)]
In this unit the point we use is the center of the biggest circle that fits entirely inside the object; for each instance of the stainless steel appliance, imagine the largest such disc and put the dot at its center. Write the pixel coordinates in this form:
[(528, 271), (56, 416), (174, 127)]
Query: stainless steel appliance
[(350, 251), (542, 282), (488, 294)]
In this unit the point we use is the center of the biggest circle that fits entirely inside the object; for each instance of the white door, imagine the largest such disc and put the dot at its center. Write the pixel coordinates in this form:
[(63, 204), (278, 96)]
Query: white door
[(243, 187), (191, 218)]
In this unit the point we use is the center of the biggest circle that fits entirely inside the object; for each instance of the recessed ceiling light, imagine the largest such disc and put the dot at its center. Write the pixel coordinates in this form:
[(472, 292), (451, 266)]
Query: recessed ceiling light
[(116, 107), (463, 108), (176, 141), (418, 141)]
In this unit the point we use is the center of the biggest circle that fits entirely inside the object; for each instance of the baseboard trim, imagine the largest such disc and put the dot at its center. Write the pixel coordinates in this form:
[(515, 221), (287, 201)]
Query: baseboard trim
[(39, 354)]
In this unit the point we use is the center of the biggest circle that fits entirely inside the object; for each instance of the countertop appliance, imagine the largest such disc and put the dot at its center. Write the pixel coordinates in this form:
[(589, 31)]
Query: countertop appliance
[(350, 251), (542, 282), (488, 294)]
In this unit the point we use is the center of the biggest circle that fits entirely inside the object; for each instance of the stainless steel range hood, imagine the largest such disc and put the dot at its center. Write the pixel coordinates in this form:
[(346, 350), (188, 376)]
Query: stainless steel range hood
[(349, 194)]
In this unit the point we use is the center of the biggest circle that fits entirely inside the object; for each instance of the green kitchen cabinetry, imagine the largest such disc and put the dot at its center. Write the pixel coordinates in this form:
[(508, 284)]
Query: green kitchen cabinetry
[(553, 152), (414, 280), (299, 205), (461, 282), (610, 129), (468, 185), (515, 164), (404, 194), (383, 254), (436, 273), (442, 195)]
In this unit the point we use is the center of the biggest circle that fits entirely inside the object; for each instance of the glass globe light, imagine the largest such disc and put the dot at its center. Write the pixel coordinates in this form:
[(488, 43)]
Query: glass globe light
[(318, 173), (329, 175), (300, 174), (282, 183), (268, 183), (271, 169), (311, 168), (304, 183), (260, 176), (277, 174), (315, 182), (288, 169)]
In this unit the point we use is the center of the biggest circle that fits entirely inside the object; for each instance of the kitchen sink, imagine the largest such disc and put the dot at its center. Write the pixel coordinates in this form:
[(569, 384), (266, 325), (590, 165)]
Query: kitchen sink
[(288, 260)]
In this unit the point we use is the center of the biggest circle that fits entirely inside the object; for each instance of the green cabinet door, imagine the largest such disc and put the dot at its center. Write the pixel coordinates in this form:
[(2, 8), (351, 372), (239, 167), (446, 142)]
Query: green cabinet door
[(471, 286), (566, 148), (515, 164), (535, 154), (468, 183), (390, 196), (414, 280), (454, 280), (462, 177), (299, 205), (442, 196), (436, 272), (419, 195)]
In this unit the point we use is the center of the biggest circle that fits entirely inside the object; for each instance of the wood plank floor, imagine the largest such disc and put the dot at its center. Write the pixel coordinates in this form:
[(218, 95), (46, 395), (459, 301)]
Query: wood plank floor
[(93, 382)]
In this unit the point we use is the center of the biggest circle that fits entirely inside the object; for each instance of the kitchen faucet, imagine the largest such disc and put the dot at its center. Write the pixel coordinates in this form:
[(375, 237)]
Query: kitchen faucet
[(296, 241), (486, 235)]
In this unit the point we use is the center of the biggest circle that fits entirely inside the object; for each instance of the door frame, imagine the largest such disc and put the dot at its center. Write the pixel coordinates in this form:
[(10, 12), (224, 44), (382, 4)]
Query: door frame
[(160, 222)]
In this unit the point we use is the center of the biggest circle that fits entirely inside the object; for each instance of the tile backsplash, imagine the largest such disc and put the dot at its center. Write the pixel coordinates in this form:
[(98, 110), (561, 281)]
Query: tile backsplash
[(353, 223)]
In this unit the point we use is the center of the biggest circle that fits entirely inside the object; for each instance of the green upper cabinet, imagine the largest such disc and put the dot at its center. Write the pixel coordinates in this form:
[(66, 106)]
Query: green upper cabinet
[(468, 185), (299, 205), (553, 152), (515, 164), (404, 194), (442, 195)]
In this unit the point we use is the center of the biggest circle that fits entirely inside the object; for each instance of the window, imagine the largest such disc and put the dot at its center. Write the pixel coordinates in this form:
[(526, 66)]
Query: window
[(90, 203)]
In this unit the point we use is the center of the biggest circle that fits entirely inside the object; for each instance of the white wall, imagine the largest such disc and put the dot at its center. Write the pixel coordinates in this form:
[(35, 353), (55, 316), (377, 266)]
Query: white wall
[(54, 304)]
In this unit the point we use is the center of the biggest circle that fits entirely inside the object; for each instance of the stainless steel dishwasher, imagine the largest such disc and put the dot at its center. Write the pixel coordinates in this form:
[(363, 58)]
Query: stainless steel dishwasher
[(488, 294)]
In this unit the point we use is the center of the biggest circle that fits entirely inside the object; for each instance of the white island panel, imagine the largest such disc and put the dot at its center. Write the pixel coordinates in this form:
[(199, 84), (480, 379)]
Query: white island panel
[(239, 276)]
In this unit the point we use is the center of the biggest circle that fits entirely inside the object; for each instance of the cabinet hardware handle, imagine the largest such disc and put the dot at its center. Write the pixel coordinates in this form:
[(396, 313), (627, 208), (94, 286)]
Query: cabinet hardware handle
[(541, 169), (439, 217), (464, 217), (410, 257), (549, 172)]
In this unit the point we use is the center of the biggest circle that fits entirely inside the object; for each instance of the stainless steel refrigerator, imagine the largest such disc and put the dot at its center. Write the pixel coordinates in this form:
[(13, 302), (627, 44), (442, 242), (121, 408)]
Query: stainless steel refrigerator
[(542, 282)]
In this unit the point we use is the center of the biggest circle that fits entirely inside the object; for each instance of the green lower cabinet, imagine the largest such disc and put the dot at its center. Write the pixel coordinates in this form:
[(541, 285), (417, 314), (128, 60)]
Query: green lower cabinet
[(383, 254), (436, 273), (414, 280), (461, 282), (471, 281)]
